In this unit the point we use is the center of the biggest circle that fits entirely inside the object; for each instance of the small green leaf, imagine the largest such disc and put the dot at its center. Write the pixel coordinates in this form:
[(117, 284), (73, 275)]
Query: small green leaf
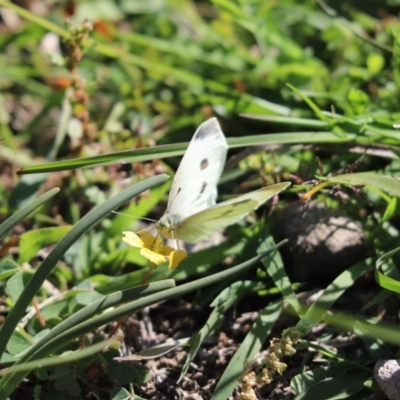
[(16, 284), (33, 241), (41, 373), (301, 382), (375, 63), (86, 298), (338, 387), (357, 96), (120, 393), (390, 210), (383, 279), (67, 383), (19, 342), (37, 391), (8, 267), (8, 359)]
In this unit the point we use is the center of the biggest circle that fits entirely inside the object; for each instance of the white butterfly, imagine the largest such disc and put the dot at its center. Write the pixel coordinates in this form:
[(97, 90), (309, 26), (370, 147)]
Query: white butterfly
[(192, 214)]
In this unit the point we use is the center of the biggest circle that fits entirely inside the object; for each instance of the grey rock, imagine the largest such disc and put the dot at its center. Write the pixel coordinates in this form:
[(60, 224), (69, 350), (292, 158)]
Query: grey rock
[(387, 375), (322, 242)]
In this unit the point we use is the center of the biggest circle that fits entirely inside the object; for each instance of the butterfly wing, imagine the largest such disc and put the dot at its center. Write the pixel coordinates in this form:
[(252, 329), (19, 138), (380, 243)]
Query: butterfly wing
[(214, 219), (195, 184)]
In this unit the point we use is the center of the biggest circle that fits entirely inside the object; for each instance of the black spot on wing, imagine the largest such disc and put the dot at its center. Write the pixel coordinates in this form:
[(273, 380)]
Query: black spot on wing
[(203, 188), (204, 163), (206, 129), (201, 134)]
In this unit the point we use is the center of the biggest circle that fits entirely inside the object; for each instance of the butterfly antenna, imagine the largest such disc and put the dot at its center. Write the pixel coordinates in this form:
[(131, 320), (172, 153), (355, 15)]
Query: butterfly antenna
[(133, 216), (173, 198)]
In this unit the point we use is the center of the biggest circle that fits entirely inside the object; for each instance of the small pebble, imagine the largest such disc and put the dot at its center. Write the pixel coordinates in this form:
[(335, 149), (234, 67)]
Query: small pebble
[(387, 375)]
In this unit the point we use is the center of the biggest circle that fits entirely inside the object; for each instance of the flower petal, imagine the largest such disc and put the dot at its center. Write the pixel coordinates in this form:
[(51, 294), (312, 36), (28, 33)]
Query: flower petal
[(149, 241), (166, 250), (176, 257), (154, 257), (132, 239)]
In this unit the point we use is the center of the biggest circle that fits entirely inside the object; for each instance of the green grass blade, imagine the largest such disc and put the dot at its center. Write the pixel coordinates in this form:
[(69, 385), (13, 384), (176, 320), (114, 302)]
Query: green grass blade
[(222, 303), (363, 327), (137, 155), (275, 269), (59, 360), (290, 138), (381, 278), (292, 121), (99, 306), (136, 305), (345, 280), (317, 111), (178, 149), (8, 384), (249, 348), (93, 217), (373, 179), (21, 214), (80, 316)]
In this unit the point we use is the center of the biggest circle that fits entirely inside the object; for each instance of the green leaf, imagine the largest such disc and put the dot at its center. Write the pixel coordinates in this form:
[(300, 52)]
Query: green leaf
[(17, 283), (86, 298), (301, 382), (372, 179), (8, 267), (375, 63), (19, 342), (338, 387), (33, 241), (358, 100), (390, 210), (383, 279), (67, 383), (120, 393)]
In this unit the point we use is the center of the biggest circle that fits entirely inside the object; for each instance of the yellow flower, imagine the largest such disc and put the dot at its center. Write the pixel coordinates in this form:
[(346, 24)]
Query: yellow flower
[(154, 249)]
